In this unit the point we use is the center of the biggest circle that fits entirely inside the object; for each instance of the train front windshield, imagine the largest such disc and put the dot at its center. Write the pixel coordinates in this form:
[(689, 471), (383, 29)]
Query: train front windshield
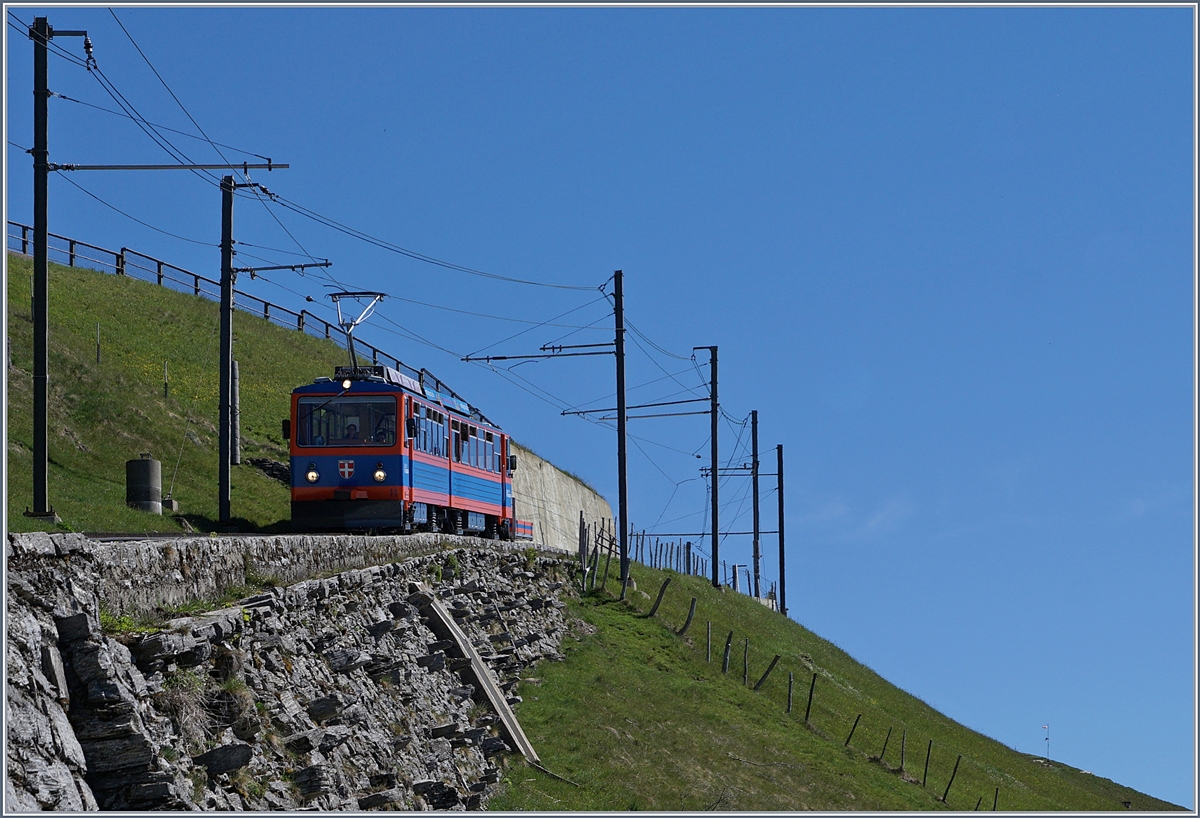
[(346, 421)]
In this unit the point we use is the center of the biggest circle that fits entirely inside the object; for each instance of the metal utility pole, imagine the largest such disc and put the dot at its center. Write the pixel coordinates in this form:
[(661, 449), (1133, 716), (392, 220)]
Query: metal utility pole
[(779, 473), (41, 33), (754, 483), (228, 449), (714, 409), (622, 472), (224, 418)]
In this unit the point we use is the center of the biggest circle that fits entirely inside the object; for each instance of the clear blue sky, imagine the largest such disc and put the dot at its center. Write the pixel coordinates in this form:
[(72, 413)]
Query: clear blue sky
[(947, 254)]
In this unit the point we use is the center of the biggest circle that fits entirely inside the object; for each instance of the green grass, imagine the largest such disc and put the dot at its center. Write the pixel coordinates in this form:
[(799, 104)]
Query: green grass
[(101, 415), (639, 720)]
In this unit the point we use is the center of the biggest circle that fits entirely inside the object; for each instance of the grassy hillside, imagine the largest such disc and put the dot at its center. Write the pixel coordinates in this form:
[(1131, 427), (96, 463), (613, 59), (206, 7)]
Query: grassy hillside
[(636, 718), (101, 415)]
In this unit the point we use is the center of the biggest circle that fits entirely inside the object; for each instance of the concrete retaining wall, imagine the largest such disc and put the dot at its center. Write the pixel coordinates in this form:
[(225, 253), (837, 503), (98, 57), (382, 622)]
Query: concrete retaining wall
[(552, 499)]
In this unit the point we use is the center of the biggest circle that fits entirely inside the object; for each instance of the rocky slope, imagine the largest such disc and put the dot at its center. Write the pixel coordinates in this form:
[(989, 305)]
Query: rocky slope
[(328, 693)]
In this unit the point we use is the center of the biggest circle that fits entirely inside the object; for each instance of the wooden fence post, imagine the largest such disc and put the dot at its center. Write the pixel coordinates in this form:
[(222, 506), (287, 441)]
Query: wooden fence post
[(728, 646), (903, 737), (977, 803), (928, 751), (657, 602), (71, 253), (811, 688), (947, 792), (691, 613), (853, 727), (746, 662), (607, 560), (708, 643), (886, 739), (121, 262), (770, 667), (996, 799), (158, 272), (595, 562)]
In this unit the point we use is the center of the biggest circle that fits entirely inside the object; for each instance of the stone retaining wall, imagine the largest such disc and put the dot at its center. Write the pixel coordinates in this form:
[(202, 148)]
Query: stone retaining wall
[(329, 692)]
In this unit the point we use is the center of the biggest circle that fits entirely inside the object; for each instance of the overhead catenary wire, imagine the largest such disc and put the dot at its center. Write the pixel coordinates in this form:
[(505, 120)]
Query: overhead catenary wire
[(612, 395), (531, 329), (182, 107), (646, 338), (254, 191), (705, 518), (144, 124), (162, 142), (395, 248), (577, 330), (113, 207), (139, 119), (159, 127)]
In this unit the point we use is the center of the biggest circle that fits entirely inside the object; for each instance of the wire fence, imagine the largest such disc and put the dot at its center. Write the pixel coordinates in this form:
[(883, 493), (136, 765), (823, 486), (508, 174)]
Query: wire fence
[(128, 262), (598, 540), (827, 706), (599, 554)]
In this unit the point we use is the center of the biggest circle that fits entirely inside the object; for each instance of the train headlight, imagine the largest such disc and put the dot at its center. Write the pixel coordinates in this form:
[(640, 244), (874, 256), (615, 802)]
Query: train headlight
[(311, 475), (380, 474), (346, 384)]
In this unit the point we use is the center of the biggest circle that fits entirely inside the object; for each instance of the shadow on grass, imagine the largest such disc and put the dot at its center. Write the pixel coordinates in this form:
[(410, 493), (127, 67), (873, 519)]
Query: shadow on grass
[(203, 524)]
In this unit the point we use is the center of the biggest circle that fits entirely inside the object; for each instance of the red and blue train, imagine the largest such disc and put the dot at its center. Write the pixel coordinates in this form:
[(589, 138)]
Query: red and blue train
[(373, 449)]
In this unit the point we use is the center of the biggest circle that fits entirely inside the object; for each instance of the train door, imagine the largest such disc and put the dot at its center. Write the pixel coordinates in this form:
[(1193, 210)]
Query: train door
[(409, 427), (455, 457)]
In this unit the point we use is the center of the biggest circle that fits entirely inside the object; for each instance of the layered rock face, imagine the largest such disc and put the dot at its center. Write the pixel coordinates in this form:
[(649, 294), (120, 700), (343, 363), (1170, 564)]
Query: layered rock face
[(327, 693)]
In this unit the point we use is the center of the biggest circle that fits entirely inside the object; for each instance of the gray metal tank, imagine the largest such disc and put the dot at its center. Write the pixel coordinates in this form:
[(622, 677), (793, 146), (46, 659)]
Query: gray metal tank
[(143, 484)]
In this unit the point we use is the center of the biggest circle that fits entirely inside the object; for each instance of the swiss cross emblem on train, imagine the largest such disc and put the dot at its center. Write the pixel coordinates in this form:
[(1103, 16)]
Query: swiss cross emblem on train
[(346, 468)]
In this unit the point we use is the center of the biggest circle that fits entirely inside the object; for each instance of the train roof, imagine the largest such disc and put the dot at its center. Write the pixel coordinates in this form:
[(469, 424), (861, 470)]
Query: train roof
[(385, 378)]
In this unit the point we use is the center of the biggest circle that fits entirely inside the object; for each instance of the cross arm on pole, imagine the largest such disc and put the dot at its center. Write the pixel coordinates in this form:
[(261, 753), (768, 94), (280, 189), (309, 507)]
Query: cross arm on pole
[(243, 166), (253, 270), (661, 415), (641, 406), (560, 347), (489, 358)]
